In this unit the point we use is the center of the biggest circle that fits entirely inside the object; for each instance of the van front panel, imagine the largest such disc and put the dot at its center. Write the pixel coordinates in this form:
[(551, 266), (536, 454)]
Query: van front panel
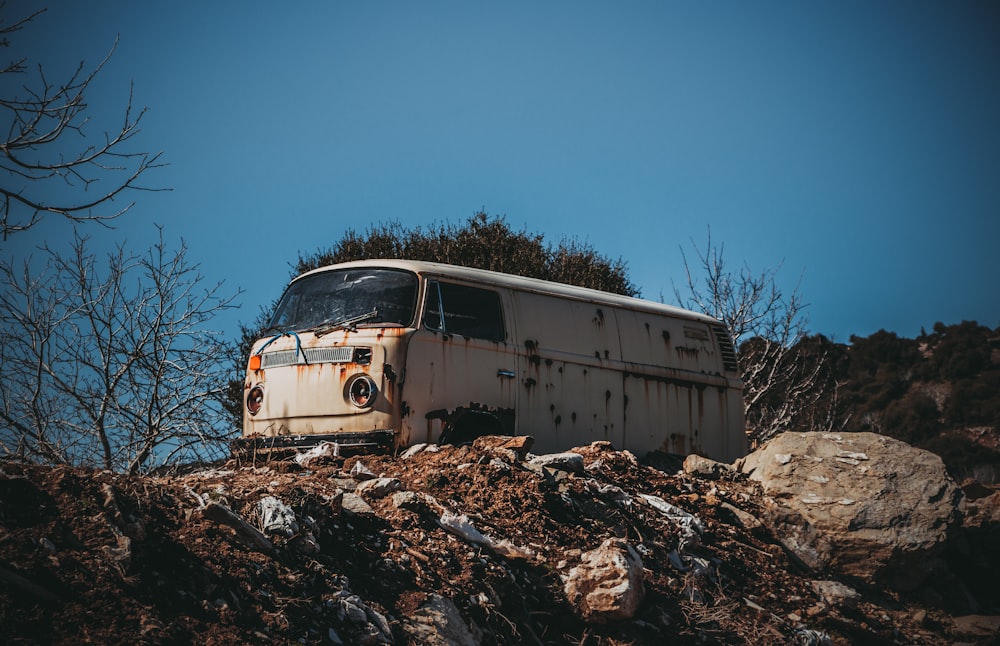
[(325, 397), (332, 366)]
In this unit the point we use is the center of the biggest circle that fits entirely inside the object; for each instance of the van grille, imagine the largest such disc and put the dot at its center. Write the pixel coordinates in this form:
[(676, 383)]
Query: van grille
[(729, 361), (342, 354)]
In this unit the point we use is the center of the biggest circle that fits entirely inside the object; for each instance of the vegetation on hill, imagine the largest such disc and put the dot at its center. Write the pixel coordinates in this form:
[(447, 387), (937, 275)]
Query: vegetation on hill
[(939, 391), (483, 242)]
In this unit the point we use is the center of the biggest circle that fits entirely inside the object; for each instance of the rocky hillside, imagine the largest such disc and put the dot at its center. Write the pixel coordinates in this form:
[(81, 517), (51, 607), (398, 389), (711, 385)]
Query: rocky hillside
[(489, 544)]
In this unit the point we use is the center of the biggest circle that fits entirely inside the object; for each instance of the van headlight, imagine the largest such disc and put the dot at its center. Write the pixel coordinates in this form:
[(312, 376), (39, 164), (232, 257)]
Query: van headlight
[(361, 391), (255, 399)]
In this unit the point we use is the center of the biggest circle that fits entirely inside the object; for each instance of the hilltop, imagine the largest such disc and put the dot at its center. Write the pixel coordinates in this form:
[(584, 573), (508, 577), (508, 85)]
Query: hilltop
[(484, 543)]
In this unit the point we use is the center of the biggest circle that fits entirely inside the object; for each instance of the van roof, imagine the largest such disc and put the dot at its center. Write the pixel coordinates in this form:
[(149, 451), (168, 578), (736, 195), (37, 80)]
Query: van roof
[(522, 283)]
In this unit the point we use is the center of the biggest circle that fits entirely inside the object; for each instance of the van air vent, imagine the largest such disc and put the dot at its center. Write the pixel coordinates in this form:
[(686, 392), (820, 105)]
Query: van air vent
[(342, 354), (726, 348)]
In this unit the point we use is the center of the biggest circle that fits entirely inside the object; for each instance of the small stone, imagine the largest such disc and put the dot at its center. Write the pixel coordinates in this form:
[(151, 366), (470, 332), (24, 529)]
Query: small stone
[(703, 467), (572, 462), (355, 504), (379, 487)]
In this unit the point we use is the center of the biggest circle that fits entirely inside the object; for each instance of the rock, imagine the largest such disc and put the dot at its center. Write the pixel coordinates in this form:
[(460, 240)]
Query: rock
[(276, 517), (982, 511), (355, 504), (371, 625), (601, 456), (976, 548), (738, 516), (219, 513), (438, 623), (335, 501), (193, 580), (460, 525), (360, 472), (607, 585), (571, 462), (323, 450), (669, 463), (412, 450), (121, 553), (378, 488), (690, 526), (809, 637), (519, 444), (499, 464), (836, 594), (702, 467), (407, 500), (859, 504), (306, 543), (983, 626), (413, 501)]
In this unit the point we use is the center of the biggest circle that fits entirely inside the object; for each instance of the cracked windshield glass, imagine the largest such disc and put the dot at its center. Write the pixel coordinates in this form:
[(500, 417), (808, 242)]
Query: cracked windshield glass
[(331, 298)]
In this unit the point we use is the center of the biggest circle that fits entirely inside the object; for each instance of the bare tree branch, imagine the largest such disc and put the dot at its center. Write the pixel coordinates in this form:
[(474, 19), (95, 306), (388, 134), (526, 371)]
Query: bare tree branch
[(48, 163), (111, 366), (781, 383)]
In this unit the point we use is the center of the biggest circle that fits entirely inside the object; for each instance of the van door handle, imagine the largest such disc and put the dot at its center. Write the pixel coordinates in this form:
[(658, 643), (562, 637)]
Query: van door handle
[(509, 374)]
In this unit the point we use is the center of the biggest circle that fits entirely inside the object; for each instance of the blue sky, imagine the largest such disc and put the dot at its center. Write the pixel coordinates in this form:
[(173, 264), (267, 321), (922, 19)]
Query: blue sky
[(857, 144)]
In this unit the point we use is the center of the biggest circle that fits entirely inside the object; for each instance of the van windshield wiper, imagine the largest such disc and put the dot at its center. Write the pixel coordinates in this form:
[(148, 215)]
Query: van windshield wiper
[(345, 324)]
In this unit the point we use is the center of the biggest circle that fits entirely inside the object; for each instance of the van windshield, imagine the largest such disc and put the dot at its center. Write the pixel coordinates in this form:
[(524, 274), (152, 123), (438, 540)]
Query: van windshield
[(368, 296)]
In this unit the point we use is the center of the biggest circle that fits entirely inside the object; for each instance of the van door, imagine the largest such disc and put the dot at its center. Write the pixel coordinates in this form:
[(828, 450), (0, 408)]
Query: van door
[(461, 367)]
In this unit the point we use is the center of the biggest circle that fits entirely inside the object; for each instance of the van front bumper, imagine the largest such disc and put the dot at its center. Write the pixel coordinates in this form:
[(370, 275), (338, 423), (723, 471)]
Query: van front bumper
[(379, 441)]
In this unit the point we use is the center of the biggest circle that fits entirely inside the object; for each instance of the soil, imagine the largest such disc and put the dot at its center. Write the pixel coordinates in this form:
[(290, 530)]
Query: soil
[(97, 557)]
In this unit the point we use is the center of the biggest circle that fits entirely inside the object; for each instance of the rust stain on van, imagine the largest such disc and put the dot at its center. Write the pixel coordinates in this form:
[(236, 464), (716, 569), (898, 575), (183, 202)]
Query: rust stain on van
[(687, 351)]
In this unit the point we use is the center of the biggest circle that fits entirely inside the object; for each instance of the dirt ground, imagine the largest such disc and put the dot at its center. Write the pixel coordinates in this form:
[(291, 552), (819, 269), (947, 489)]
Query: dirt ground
[(96, 557)]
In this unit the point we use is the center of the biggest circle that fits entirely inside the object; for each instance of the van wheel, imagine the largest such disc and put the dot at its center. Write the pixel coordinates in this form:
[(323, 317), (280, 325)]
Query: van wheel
[(468, 425)]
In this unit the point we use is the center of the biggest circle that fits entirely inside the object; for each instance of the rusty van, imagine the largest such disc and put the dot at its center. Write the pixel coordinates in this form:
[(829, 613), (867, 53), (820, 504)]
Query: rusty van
[(382, 354)]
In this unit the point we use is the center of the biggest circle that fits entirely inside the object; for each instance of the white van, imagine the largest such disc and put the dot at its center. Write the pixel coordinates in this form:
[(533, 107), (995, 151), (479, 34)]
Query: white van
[(382, 354)]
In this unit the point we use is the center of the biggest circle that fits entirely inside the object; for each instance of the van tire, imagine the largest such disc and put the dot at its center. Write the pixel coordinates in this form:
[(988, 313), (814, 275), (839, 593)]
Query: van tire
[(467, 425)]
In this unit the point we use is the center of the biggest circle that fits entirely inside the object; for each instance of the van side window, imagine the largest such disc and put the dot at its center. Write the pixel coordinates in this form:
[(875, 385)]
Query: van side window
[(469, 311)]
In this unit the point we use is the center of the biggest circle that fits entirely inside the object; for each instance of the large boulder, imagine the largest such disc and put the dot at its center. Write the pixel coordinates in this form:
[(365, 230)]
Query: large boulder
[(857, 504), (607, 585)]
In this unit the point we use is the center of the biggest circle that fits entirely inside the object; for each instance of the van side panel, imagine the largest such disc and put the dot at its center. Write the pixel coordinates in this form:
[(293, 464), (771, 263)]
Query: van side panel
[(658, 340), (641, 380), (571, 389), (683, 417), (676, 389)]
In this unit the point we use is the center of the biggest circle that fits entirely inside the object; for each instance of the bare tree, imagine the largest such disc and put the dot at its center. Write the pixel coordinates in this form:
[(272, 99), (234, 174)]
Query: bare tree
[(781, 383), (48, 163), (111, 366)]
